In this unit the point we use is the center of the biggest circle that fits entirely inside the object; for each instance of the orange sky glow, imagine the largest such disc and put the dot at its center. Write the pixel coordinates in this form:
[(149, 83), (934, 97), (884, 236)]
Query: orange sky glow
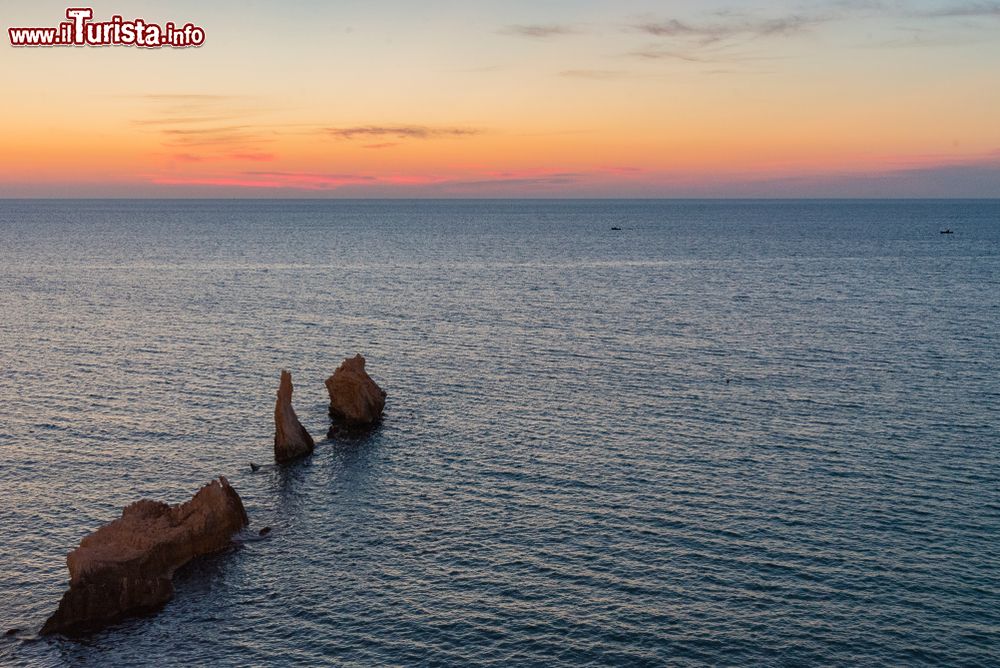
[(573, 99)]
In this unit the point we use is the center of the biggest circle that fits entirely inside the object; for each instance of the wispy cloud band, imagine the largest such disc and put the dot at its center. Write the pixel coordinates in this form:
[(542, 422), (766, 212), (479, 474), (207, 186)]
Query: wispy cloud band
[(370, 132)]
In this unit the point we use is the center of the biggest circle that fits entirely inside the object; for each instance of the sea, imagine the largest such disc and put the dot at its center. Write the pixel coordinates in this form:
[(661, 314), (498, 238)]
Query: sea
[(617, 432)]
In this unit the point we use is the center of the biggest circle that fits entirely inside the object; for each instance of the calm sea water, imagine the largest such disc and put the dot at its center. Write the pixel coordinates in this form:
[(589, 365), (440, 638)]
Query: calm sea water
[(730, 433)]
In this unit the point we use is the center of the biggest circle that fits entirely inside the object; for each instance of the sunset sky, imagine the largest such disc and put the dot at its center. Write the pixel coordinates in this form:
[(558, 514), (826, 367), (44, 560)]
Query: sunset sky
[(469, 98)]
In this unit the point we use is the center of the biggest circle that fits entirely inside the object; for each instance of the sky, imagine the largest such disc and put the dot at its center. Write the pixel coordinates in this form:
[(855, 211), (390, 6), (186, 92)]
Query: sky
[(548, 98)]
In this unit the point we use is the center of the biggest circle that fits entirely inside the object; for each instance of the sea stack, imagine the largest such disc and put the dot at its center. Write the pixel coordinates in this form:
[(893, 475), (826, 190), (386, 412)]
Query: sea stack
[(125, 567), (355, 400), (291, 440)]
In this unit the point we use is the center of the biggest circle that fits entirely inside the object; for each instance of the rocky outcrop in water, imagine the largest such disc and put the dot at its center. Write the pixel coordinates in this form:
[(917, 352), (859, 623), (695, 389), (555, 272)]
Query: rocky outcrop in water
[(355, 399), (291, 440), (126, 567)]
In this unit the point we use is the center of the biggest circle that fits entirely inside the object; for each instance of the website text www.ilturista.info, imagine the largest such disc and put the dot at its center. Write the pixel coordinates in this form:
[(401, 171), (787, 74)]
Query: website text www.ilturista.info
[(80, 30)]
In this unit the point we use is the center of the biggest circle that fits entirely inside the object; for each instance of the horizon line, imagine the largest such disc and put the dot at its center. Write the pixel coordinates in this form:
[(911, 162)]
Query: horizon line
[(506, 199)]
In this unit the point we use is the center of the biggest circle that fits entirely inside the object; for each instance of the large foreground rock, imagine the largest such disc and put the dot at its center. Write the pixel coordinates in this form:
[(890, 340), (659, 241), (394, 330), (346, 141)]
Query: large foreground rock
[(291, 440), (355, 399), (126, 567)]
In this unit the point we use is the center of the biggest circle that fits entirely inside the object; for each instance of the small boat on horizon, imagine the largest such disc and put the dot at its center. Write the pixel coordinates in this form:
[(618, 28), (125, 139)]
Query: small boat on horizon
[(947, 231)]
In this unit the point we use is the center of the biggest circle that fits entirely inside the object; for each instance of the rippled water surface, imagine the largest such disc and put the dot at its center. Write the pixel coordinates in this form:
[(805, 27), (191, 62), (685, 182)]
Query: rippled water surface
[(730, 433)]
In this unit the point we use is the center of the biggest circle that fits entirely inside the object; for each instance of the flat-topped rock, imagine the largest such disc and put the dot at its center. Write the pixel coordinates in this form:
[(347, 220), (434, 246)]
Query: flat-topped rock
[(125, 567), (291, 440), (355, 399)]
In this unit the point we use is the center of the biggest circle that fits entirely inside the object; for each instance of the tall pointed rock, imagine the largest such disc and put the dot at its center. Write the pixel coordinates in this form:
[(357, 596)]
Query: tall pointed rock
[(291, 440)]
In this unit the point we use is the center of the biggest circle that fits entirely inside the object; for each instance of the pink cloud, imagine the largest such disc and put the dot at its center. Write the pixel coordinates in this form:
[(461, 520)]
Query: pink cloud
[(290, 180)]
